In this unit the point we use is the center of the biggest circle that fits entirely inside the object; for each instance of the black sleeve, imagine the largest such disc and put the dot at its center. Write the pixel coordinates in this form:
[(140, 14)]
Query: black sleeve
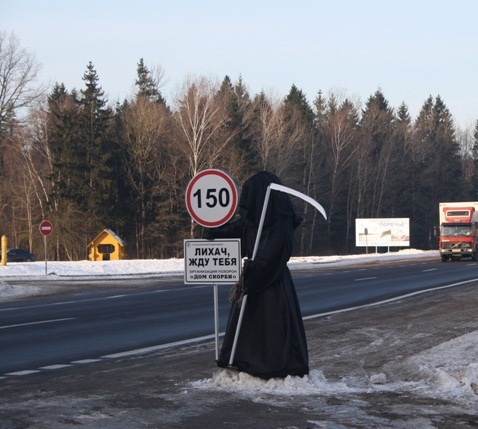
[(271, 260)]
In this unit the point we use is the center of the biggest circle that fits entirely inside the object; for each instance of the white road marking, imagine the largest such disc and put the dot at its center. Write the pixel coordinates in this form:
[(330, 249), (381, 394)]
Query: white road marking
[(57, 366), (24, 372), (84, 361), (157, 348), (41, 322), (386, 301), (54, 304)]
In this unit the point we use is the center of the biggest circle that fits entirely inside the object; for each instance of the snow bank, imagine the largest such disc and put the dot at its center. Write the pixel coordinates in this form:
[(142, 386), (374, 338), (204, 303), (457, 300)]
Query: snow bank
[(9, 291), (241, 382), (343, 260), (456, 380), (451, 368), (175, 266), (137, 267), (447, 371)]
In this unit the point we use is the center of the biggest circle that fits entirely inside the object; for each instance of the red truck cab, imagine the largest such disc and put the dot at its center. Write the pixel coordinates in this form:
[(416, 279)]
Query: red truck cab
[(458, 231)]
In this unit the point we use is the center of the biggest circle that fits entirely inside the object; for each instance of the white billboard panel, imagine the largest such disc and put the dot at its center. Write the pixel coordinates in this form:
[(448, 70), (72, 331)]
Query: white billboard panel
[(382, 232)]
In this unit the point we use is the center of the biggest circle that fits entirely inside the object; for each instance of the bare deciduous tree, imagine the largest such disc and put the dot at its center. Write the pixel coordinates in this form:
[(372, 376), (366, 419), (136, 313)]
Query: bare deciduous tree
[(202, 118), (20, 188), (39, 159), (278, 135), (342, 127), (18, 74), (144, 130)]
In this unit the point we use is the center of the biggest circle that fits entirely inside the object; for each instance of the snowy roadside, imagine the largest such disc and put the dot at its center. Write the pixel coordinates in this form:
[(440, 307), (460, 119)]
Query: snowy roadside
[(25, 272), (426, 347), (166, 267), (448, 371)]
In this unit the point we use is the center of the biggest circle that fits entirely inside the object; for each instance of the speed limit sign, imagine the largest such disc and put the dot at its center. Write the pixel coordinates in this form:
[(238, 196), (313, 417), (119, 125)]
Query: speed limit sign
[(211, 198)]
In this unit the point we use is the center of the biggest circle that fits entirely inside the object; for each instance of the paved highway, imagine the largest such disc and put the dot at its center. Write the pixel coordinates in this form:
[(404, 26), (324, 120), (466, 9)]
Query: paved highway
[(107, 322)]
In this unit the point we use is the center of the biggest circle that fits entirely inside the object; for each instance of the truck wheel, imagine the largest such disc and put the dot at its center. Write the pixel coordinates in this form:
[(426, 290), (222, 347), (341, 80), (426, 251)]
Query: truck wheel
[(444, 258)]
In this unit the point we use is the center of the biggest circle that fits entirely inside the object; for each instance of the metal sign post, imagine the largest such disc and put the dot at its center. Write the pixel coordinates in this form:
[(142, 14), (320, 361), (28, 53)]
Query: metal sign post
[(216, 319), (212, 262), (46, 228), (366, 240), (46, 259)]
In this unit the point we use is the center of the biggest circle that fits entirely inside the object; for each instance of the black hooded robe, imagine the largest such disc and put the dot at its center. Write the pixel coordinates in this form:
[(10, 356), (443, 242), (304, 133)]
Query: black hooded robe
[(272, 340)]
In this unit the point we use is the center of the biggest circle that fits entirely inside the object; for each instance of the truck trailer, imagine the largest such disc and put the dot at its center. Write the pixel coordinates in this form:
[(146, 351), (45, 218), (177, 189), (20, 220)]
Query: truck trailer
[(458, 230)]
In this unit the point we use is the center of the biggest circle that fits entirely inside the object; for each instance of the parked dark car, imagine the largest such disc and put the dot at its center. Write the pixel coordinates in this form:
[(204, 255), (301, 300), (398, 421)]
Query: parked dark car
[(19, 255)]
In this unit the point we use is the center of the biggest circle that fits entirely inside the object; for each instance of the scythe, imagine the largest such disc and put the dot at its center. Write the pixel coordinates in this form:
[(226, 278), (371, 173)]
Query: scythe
[(281, 188)]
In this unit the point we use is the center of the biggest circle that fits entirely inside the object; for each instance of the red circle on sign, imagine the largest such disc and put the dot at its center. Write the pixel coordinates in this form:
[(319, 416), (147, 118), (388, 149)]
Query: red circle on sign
[(203, 195), (46, 227)]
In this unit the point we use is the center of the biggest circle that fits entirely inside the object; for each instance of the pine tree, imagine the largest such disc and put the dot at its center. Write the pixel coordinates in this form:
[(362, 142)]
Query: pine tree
[(147, 86), (98, 186), (241, 159), (439, 168), (297, 98), (475, 144), (404, 187), (299, 130), (66, 145), (65, 140), (378, 135)]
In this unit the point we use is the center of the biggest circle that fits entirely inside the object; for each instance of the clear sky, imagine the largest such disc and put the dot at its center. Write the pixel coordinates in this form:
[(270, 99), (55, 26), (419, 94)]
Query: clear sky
[(407, 49)]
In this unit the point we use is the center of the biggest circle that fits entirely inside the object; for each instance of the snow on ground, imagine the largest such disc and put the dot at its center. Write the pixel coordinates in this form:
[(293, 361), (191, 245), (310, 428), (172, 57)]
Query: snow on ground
[(157, 267), (449, 370), (88, 270), (315, 382)]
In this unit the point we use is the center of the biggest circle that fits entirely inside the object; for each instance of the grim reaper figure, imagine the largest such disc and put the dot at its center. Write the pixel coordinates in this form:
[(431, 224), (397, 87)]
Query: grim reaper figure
[(272, 340)]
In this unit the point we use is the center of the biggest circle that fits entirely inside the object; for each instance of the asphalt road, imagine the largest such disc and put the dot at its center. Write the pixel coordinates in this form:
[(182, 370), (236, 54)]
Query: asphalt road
[(100, 321)]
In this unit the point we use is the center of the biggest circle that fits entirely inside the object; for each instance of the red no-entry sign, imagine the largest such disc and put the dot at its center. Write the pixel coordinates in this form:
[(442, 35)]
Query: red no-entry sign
[(46, 228), (211, 198)]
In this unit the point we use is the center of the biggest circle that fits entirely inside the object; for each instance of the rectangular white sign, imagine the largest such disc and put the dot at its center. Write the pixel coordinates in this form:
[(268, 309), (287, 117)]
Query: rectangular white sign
[(212, 261), (382, 232)]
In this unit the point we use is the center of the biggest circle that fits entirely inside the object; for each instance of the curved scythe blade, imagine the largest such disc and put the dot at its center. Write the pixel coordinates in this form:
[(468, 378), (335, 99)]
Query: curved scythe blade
[(287, 190)]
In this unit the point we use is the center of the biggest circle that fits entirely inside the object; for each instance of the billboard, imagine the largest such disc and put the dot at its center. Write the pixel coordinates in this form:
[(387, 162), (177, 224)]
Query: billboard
[(382, 232)]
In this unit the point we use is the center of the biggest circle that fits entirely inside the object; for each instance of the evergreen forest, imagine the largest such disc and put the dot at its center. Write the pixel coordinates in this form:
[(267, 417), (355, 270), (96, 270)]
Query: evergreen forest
[(72, 157)]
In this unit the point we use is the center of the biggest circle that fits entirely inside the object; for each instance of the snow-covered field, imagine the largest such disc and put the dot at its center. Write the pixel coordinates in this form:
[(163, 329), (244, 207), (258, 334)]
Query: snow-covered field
[(449, 370)]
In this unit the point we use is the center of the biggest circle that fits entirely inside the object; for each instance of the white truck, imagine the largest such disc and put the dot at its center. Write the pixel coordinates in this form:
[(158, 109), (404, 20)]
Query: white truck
[(458, 230)]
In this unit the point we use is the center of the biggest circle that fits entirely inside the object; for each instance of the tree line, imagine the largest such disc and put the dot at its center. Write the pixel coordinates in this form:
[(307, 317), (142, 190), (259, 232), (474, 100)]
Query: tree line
[(87, 165)]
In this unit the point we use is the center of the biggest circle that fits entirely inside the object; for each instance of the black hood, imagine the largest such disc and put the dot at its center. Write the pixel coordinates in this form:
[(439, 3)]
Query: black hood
[(252, 200)]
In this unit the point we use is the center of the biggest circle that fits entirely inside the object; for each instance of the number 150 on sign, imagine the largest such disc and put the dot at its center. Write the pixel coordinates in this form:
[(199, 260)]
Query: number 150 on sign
[(212, 198)]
